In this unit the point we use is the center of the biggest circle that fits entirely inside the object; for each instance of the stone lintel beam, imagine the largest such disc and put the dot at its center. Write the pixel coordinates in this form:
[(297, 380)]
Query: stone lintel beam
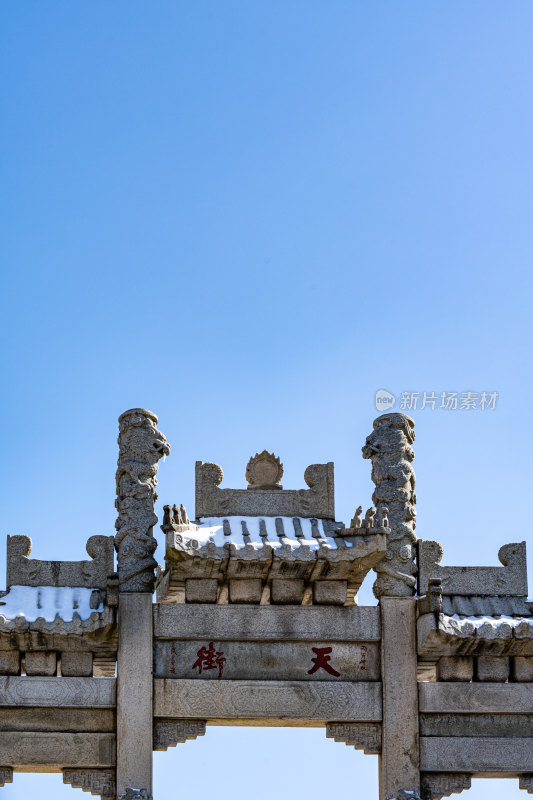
[(51, 752), (465, 698), (362, 736), (65, 692), (101, 782), (169, 733), (305, 623), (510, 579), (266, 700), (482, 755), (316, 501)]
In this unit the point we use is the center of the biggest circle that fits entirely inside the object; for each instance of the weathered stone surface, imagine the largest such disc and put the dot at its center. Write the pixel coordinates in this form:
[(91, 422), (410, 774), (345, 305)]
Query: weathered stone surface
[(489, 668), (135, 794), (455, 668), (201, 590), (353, 661), (317, 501), (24, 571), (67, 692), (399, 762), (74, 664), (440, 635), (169, 733), (265, 700), (469, 754), (287, 592), (6, 775), (526, 782), (41, 662), (141, 446), (389, 448), (306, 623), (9, 662), (435, 785), (464, 698), (360, 735), (76, 720), (508, 725), (511, 579), (96, 781), (522, 668), (134, 697), (330, 593), (57, 750), (245, 590)]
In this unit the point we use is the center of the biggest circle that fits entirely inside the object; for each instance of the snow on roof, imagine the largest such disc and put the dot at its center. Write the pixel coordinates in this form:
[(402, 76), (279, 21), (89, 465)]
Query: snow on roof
[(257, 531), (47, 602)]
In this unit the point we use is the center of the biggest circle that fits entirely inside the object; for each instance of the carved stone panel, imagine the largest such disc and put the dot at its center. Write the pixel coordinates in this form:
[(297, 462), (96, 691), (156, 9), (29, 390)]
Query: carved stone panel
[(510, 579), (362, 736), (24, 571), (57, 750), (96, 781), (316, 501), (305, 623), (475, 754), (33, 691), (267, 700), (296, 661), (169, 733), (435, 785)]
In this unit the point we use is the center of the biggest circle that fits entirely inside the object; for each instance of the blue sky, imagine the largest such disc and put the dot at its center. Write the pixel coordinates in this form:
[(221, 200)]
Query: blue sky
[(248, 218)]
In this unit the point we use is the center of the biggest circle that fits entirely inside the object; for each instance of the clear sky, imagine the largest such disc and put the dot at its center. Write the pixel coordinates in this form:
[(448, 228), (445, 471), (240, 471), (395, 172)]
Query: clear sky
[(248, 218)]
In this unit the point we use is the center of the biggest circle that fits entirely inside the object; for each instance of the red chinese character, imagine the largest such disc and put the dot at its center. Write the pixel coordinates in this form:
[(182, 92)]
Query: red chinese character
[(321, 661), (209, 658)]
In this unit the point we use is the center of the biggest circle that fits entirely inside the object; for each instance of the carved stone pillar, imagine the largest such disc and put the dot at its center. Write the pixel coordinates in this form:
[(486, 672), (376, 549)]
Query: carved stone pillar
[(389, 449), (141, 446)]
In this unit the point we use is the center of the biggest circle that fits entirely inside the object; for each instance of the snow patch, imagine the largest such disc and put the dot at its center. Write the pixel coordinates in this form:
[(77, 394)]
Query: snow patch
[(47, 602)]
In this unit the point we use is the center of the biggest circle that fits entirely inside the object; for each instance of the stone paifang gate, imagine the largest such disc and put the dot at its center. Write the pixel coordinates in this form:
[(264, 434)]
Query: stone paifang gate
[(256, 622)]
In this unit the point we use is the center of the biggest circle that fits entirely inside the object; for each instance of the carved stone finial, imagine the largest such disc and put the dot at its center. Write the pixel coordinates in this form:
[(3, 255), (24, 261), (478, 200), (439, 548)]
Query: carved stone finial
[(368, 521), (141, 446), (184, 516), (356, 519), (389, 449), (264, 471)]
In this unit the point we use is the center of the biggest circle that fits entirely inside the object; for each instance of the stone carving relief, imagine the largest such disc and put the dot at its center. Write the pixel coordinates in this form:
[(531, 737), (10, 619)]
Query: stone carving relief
[(141, 446), (264, 471), (169, 733), (96, 781), (24, 571), (316, 501), (435, 785), (362, 736), (389, 449), (526, 782)]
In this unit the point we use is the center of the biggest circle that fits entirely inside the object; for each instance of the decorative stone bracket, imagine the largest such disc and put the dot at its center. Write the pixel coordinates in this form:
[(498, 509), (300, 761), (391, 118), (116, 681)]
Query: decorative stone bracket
[(526, 782), (360, 735), (96, 781), (6, 775), (435, 785), (172, 732)]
